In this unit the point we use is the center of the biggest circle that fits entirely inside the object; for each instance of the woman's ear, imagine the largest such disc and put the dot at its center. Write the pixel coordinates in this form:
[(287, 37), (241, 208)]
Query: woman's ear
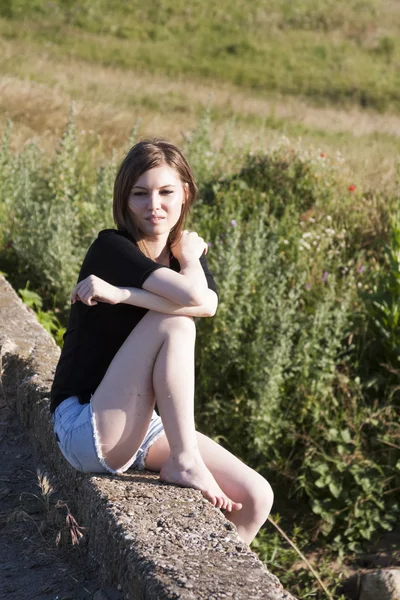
[(185, 192)]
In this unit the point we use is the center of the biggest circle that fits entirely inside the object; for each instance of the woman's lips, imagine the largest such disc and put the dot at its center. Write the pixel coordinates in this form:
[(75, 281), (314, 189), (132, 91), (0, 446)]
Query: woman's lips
[(155, 219)]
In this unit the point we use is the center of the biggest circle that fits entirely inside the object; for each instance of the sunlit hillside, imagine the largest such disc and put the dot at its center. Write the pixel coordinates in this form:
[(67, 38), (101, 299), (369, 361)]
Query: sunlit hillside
[(323, 71)]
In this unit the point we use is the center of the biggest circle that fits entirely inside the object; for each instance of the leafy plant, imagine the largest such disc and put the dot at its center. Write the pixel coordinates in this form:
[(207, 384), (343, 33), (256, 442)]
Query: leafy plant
[(46, 318)]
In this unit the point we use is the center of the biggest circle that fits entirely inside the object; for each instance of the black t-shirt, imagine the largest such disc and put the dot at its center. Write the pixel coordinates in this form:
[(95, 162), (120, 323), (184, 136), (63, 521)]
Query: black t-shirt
[(95, 333)]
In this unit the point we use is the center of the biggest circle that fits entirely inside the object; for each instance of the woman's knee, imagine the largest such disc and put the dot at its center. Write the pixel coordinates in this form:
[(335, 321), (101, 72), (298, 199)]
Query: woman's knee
[(261, 496), (172, 324)]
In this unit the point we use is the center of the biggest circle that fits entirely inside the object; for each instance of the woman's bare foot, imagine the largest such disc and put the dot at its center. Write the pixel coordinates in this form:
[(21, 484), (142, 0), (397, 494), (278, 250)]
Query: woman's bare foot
[(192, 472)]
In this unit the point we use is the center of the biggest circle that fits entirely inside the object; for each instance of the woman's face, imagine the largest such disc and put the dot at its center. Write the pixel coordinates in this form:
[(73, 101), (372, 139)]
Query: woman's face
[(156, 201)]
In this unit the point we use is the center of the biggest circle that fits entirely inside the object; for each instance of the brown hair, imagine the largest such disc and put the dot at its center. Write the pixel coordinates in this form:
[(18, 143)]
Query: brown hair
[(143, 156)]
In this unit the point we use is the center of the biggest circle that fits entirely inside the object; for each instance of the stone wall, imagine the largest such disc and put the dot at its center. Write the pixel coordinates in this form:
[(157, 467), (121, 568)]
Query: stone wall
[(156, 541)]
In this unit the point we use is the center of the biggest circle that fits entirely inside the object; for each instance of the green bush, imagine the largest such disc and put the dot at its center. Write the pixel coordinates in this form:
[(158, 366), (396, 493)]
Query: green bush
[(279, 381), (52, 212)]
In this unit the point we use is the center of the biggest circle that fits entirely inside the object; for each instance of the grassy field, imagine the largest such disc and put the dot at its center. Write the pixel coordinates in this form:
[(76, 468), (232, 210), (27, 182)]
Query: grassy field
[(301, 69), (331, 51)]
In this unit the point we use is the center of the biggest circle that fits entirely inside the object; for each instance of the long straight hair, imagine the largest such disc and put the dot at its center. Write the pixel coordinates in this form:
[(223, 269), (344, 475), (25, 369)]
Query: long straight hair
[(145, 155)]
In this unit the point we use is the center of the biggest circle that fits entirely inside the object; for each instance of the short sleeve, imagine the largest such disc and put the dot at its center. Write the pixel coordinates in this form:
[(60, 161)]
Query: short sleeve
[(116, 259), (210, 279)]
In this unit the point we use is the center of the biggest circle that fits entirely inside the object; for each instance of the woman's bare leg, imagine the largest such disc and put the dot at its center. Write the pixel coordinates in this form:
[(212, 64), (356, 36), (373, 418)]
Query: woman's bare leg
[(236, 479), (157, 359)]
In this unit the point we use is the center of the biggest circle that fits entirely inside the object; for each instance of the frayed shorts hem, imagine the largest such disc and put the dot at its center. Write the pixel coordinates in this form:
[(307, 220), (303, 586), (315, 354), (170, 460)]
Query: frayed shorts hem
[(76, 433)]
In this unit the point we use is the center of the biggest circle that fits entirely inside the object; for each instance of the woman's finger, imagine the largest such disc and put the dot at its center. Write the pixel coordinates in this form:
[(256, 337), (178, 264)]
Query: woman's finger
[(83, 291), (86, 293)]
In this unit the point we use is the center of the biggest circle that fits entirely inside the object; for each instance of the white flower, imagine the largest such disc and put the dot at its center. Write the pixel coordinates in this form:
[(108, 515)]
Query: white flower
[(329, 218), (305, 245), (286, 242), (307, 234)]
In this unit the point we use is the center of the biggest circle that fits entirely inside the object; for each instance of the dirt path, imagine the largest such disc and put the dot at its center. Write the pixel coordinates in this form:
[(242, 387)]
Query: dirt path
[(37, 557)]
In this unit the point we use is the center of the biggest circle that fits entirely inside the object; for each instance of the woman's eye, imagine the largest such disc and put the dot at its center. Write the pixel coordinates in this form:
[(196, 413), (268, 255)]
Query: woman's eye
[(166, 192)]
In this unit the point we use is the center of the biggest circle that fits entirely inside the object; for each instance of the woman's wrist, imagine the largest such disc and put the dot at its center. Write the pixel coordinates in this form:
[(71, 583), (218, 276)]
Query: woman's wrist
[(123, 295)]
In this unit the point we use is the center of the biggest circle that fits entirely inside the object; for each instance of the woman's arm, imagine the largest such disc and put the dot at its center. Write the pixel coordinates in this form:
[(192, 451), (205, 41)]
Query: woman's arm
[(93, 289), (189, 287), (146, 299)]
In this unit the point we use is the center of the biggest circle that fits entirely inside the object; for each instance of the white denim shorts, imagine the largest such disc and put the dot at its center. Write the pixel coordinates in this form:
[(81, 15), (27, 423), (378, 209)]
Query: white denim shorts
[(76, 435)]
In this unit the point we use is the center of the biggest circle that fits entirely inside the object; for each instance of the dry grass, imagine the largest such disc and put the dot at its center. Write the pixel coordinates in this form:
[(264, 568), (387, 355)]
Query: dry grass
[(37, 88)]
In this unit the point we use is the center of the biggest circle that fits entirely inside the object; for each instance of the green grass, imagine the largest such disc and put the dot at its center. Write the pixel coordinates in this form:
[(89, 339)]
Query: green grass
[(330, 52), (37, 89)]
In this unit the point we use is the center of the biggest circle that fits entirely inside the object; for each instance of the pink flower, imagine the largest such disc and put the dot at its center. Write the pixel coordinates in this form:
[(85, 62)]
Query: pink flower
[(323, 155), (233, 223), (325, 276)]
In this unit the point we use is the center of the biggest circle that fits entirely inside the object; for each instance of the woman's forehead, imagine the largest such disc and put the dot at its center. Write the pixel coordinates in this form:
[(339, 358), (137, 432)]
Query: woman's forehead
[(158, 177)]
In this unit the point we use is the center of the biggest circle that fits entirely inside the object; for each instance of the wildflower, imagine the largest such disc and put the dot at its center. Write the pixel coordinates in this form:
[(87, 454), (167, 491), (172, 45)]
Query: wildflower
[(209, 244), (323, 155), (307, 234), (305, 245), (329, 218), (286, 242), (361, 269), (325, 276), (233, 223), (351, 188), (307, 286)]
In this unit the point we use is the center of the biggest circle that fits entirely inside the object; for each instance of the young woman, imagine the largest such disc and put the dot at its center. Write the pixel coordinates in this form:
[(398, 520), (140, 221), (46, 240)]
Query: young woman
[(130, 343)]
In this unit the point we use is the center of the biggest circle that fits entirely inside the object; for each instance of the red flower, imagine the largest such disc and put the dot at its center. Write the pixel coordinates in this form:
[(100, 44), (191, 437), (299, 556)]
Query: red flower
[(352, 188), (323, 155)]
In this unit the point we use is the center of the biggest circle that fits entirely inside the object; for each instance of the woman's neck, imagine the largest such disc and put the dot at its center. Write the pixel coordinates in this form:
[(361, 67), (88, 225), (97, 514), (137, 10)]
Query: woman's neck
[(157, 249)]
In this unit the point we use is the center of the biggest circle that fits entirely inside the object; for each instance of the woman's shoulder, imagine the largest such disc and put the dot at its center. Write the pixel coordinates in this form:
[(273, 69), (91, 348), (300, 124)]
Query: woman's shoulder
[(114, 237), (113, 234), (110, 243), (112, 255)]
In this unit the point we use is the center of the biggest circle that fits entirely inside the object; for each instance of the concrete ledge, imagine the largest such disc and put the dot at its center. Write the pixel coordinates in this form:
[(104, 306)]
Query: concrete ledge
[(156, 541)]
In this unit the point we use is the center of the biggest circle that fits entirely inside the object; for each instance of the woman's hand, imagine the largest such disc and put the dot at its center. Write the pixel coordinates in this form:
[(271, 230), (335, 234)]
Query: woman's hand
[(190, 246), (93, 289)]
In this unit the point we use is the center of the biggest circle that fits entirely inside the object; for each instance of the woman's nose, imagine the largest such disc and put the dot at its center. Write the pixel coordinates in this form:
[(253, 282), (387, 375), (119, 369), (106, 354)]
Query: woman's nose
[(154, 200)]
